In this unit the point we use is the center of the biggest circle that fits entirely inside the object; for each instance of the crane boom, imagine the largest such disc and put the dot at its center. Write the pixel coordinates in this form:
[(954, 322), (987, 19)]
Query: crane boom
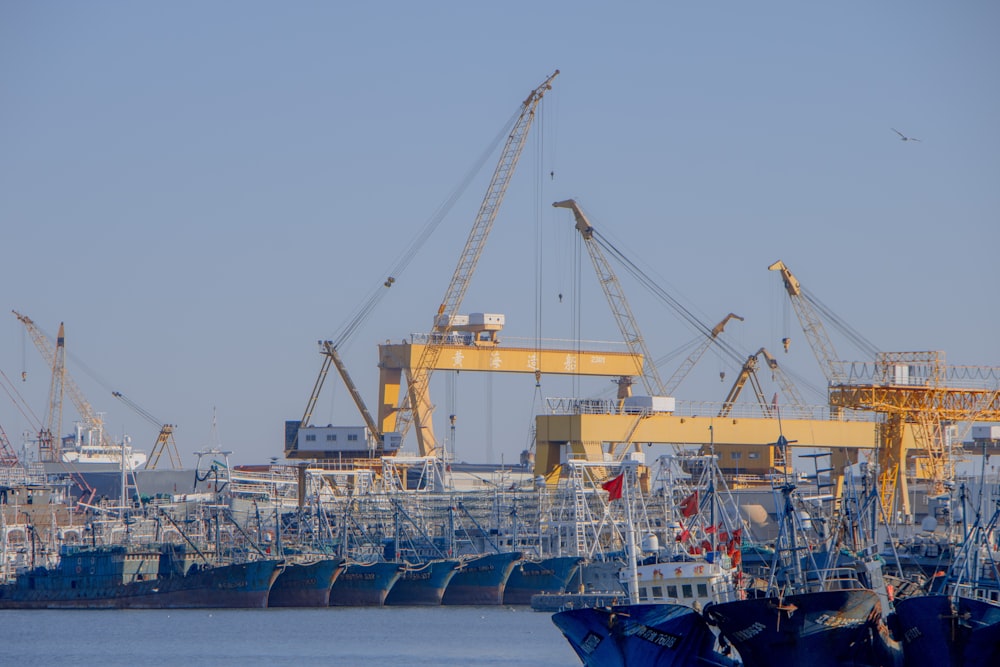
[(812, 326), (164, 439), (419, 410), (331, 351), (55, 358), (616, 299), (693, 358)]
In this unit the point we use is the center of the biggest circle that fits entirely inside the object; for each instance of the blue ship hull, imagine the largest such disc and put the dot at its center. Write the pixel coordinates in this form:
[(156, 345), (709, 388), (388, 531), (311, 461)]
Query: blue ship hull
[(364, 584), (549, 575), (481, 580), (122, 578), (424, 585), (822, 629), (937, 633), (641, 635), (305, 584)]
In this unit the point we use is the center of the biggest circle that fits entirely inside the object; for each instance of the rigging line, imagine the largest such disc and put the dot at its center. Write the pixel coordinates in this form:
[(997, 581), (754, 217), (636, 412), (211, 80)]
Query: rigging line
[(690, 317), (20, 403), (408, 254), (855, 337)]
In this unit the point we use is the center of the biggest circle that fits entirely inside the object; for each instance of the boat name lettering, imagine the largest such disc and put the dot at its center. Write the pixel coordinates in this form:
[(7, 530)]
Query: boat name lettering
[(749, 633), (417, 576), (912, 634), (359, 576), (590, 642), (537, 573), (480, 568), (657, 637), (838, 621)]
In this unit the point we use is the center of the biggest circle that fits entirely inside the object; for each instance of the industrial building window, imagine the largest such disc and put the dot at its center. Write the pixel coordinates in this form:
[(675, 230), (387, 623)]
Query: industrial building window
[(672, 592), (311, 437), (331, 437), (352, 436), (753, 455), (686, 589), (736, 455)]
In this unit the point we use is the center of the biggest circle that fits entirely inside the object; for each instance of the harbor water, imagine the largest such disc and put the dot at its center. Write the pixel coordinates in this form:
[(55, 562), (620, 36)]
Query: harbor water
[(331, 637)]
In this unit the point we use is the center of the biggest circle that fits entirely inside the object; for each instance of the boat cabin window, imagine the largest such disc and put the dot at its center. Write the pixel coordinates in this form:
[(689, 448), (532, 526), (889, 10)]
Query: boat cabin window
[(686, 589), (671, 591), (657, 592), (703, 590), (643, 594)]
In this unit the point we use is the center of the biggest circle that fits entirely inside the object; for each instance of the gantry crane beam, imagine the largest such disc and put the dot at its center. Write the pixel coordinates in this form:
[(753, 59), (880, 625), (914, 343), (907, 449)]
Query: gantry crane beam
[(397, 359), (592, 436), (418, 408), (612, 288)]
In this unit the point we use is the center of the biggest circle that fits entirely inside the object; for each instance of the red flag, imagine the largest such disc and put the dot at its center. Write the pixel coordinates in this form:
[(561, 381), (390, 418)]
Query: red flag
[(689, 505), (737, 558), (684, 535), (710, 530), (723, 536), (738, 536), (614, 487)]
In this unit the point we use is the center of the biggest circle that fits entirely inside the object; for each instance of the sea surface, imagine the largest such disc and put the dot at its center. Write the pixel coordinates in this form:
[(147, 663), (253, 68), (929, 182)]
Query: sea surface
[(398, 636)]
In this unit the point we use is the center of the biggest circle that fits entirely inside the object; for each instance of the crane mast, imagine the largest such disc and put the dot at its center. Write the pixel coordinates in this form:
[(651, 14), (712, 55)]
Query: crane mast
[(616, 299), (419, 407)]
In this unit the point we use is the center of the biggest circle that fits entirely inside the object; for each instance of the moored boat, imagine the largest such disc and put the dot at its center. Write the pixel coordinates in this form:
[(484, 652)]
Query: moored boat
[(119, 577), (481, 580), (532, 577), (651, 635), (305, 584), (364, 584), (423, 585)]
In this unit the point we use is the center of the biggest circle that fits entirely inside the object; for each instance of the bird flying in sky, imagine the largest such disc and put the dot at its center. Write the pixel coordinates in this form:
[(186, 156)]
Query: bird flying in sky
[(903, 137)]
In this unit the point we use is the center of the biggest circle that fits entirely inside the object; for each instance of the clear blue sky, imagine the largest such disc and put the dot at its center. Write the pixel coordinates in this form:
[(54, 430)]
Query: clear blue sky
[(202, 190)]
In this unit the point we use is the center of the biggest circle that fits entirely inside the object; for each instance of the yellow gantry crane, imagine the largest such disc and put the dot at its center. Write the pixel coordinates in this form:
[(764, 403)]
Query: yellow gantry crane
[(416, 407), (914, 394)]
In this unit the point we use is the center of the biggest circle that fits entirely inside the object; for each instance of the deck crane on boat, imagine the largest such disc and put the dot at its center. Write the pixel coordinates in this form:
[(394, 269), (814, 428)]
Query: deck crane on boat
[(164, 440), (8, 458), (417, 408)]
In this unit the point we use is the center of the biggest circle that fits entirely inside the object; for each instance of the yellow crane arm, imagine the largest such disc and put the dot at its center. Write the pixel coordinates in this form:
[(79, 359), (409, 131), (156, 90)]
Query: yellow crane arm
[(417, 389), (682, 371), (616, 299)]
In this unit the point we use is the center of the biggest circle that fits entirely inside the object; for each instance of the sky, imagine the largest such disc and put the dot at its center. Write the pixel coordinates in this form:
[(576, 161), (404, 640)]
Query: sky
[(201, 191)]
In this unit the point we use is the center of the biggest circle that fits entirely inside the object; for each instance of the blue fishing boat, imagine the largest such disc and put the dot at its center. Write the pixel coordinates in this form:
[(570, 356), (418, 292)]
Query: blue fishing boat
[(532, 577), (120, 577), (305, 583), (651, 635), (424, 584), (481, 580), (364, 584)]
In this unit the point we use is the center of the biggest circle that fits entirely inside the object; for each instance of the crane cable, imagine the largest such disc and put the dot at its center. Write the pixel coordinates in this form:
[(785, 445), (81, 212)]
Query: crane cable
[(403, 261)]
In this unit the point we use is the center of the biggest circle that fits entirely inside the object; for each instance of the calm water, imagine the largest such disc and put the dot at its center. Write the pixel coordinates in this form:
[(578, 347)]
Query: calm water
[(437, 636)]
